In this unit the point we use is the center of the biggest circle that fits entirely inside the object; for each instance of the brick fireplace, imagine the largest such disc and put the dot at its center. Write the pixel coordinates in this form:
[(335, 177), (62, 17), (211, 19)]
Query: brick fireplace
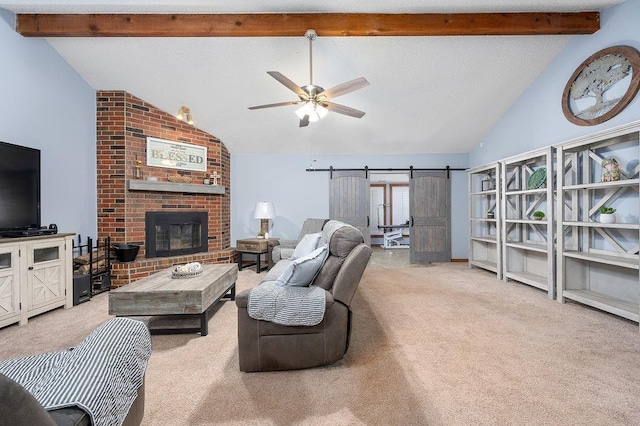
[(123, 124)]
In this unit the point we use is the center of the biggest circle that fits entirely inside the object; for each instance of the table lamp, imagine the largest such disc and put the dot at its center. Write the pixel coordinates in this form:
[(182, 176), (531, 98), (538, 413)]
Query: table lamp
[(264, 212)]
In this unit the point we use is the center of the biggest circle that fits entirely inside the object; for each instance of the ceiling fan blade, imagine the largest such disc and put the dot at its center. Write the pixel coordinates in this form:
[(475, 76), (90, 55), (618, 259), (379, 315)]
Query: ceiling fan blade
[(275, 105), (304, 121), (344, 88), (341, 109), (289, 84)]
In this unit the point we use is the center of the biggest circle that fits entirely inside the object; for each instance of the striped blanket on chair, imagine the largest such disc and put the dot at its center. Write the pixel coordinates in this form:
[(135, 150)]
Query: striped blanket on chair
[(101, 375)]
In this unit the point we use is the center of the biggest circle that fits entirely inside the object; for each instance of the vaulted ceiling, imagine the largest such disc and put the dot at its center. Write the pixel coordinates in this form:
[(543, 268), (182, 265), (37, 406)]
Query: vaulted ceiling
[(438, 83)]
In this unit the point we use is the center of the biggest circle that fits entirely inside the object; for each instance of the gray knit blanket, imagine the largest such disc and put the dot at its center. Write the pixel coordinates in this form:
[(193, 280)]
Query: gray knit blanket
[(294, 306), (101, 375), (287, 305)]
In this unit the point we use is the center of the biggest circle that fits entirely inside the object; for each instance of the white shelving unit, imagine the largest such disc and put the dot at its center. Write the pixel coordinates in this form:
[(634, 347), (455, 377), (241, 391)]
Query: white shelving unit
[(528, 254), (484, 231), (598, 264)]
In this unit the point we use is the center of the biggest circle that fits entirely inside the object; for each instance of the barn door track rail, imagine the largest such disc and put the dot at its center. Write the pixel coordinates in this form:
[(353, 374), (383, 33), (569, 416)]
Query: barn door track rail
[(411, 169)]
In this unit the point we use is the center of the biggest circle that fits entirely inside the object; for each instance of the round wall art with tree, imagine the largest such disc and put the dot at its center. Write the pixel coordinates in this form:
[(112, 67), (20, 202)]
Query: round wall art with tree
[(602, 86)]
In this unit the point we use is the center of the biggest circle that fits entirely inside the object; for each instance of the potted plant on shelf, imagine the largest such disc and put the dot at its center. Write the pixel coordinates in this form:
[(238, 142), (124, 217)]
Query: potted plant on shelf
[(538, 215), (607, 214)]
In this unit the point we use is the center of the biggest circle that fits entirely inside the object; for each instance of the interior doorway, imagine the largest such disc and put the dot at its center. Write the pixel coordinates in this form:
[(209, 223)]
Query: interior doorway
[(390, 216), (412, 211)]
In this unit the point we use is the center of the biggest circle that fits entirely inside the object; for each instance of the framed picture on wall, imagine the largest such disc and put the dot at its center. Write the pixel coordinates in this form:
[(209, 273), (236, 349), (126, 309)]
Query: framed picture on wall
[(602, 86)]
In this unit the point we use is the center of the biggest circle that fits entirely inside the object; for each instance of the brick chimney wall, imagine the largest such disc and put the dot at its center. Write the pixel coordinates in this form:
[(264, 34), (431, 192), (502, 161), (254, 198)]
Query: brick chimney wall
[(123, 124)]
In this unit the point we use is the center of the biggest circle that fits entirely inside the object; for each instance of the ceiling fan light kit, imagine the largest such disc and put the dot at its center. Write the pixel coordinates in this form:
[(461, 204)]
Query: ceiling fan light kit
[(314, 102)]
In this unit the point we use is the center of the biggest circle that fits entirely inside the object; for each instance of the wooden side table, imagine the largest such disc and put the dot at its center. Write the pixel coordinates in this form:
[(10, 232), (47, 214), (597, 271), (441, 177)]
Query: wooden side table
[(255, 247)]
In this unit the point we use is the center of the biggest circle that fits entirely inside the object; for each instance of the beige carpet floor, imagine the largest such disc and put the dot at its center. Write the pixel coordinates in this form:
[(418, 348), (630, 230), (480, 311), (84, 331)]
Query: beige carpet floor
[(436, 345)]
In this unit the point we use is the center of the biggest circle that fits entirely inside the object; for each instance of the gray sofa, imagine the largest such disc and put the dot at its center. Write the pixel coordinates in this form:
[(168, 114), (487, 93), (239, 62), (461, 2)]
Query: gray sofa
[(267, 346), (283, 249), (77, 386)]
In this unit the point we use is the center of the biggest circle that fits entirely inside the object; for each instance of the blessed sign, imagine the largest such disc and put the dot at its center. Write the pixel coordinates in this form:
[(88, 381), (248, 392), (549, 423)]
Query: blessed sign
[(176, 155)]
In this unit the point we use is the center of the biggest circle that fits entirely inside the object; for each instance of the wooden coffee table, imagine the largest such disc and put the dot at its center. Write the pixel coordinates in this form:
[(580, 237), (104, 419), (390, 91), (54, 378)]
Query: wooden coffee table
[(160, 294)]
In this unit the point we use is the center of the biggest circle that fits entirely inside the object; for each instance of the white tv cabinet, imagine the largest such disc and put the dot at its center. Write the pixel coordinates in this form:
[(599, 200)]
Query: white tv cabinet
[(35, 276)]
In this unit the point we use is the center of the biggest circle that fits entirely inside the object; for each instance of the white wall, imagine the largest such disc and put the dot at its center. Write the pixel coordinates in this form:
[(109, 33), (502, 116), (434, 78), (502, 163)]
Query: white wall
[(46, 105), (298, 194), (536, 120)]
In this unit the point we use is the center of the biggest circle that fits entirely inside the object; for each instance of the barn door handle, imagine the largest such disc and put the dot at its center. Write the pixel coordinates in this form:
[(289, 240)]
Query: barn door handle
[(412, 221)]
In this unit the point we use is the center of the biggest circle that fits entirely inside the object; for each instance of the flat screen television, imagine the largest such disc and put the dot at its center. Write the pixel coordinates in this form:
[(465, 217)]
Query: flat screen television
[(19, 187)]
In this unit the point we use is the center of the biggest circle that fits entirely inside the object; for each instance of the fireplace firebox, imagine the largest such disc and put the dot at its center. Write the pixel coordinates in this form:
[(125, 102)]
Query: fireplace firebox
[(176, 233)]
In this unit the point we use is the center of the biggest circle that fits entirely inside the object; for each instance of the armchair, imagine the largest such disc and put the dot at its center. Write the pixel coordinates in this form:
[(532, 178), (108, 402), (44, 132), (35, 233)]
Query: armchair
[(267, 346), (283, 249)]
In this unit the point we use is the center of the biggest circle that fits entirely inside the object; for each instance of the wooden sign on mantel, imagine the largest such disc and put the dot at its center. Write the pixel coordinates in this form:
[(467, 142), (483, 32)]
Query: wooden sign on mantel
[(176, 155)]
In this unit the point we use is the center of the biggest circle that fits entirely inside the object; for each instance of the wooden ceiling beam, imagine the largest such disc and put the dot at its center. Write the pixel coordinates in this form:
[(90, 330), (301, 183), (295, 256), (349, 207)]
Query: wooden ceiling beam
[(295, 24)]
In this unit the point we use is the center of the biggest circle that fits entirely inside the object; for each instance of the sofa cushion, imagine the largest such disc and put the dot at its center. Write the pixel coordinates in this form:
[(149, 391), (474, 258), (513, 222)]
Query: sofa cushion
[(302, 271), (18, 407), (307, 244), (276, 270)]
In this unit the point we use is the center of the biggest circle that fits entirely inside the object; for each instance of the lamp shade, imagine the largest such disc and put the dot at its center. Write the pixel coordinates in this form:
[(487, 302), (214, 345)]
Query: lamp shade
[(264, 210)]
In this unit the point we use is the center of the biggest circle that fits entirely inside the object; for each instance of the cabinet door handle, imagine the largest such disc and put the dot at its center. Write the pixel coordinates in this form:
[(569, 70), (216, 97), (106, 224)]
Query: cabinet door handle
[(30, 268), (412, 221)]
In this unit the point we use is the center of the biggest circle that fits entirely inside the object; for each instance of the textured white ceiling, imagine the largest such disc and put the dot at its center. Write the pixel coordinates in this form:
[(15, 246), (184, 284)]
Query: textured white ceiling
[(427, 94)]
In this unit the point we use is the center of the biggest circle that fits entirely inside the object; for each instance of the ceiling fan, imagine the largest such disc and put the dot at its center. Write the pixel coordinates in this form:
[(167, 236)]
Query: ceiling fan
[(314, 100)]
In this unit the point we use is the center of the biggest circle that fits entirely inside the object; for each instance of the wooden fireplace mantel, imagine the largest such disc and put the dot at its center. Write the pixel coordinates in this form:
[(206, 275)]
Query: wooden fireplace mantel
[(192, 188)]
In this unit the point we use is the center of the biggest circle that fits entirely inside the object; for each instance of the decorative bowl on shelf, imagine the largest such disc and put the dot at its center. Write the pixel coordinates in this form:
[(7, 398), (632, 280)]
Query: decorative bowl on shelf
[(179, 178)]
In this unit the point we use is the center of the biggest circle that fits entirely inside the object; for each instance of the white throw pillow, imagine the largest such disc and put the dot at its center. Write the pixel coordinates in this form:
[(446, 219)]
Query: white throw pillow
[(307, 244), (302, 271)]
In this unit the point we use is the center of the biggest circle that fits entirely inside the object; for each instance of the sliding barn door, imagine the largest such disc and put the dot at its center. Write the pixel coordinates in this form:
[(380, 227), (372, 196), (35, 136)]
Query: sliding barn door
[(349, 200), (429, 206)]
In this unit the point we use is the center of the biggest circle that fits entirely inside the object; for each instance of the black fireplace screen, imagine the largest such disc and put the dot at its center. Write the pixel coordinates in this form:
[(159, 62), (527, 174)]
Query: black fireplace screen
[(175, 233)]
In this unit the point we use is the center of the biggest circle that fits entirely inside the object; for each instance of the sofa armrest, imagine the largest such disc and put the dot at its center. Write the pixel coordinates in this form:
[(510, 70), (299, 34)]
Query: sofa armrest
[(288, 243), (270, 245), (283, 250), (242, 298), (349, 275)]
